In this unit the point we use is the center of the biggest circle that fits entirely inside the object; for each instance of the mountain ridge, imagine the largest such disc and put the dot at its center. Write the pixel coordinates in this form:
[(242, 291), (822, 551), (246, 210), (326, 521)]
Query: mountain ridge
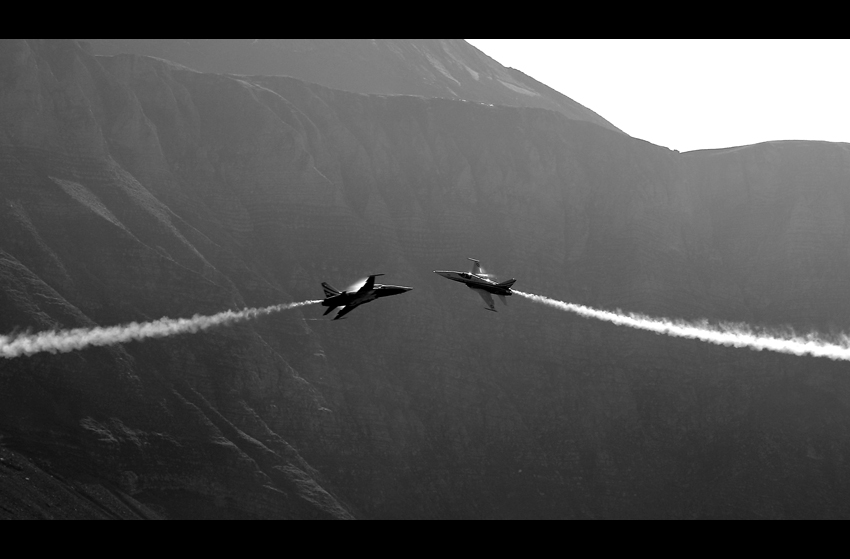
[(449, 68), (140, 189)]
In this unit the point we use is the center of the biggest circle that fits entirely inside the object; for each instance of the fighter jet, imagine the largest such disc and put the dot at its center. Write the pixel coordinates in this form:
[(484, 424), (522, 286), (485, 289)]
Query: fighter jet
[(350, 300), (476, 280)]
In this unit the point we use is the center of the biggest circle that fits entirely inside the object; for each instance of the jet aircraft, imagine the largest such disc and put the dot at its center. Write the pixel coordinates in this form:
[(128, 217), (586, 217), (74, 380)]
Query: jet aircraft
[(481, 284), (350, 300)]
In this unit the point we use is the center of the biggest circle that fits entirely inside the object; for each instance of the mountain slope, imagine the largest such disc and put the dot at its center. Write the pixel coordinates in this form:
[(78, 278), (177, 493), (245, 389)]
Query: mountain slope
[(449, 68), (132, 188)]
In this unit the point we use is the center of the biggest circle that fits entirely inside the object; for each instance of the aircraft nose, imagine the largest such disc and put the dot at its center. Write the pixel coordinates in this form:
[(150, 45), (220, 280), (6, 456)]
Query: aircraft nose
[(439, 273)]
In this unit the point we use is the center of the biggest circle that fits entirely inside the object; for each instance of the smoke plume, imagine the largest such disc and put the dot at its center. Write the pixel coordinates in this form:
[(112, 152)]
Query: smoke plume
[(61, 341), (727, 334)]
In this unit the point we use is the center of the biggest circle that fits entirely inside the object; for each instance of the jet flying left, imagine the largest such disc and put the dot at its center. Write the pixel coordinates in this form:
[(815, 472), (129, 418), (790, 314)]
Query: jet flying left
[(476, 280), (350, 300)]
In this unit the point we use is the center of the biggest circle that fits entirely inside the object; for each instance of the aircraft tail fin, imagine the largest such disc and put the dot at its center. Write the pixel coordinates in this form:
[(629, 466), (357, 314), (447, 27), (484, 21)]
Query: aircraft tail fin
[(329, 291), (476, 266), (327, 311), (504, 301)]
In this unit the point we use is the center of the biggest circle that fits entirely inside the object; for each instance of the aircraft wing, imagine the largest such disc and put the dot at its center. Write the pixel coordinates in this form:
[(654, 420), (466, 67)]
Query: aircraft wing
[(370, 283), (487, 299), (345, 310)]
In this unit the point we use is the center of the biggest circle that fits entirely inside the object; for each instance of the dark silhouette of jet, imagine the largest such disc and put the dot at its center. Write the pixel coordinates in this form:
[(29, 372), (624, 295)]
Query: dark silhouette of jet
[(481, 284), (350, 300)]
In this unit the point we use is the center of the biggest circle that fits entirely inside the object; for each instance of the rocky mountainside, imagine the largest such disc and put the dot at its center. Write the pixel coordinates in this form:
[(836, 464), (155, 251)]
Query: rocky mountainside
[(448, 68), (132, 188)]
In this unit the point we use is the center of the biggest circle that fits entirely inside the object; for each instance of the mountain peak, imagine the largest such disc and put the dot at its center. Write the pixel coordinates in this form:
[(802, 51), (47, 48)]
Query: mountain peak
[(449, 68)]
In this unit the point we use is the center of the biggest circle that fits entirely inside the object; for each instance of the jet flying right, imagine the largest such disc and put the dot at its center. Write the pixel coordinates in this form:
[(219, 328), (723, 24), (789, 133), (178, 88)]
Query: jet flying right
[(350, 300)]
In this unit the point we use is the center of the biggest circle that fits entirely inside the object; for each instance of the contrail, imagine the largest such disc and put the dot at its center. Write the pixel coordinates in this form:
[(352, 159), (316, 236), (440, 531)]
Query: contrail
[(727, 334), (62, 341)]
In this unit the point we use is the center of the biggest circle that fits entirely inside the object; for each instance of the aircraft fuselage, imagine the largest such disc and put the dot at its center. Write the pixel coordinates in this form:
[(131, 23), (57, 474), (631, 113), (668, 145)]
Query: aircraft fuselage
[(350, 300), (474, 281), (360, 297)]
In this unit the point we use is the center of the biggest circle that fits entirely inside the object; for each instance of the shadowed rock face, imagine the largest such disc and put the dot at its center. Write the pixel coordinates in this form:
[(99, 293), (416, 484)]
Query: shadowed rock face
[(132, 189)]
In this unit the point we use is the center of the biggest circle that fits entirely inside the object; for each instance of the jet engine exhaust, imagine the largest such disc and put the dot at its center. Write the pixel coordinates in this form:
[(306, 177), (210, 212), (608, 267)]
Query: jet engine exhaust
[(726, 334), (62, 341)]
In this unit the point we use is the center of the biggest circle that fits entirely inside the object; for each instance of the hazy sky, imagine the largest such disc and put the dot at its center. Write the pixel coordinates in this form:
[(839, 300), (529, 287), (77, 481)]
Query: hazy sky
[(696, 94)]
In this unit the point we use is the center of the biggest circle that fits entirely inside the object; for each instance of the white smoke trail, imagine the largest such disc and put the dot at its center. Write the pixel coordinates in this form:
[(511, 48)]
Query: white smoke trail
[(61, 341), (727, 334)]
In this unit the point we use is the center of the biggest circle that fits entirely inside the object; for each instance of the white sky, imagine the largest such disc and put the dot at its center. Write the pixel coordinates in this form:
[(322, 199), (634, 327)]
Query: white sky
[(696, 94)]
